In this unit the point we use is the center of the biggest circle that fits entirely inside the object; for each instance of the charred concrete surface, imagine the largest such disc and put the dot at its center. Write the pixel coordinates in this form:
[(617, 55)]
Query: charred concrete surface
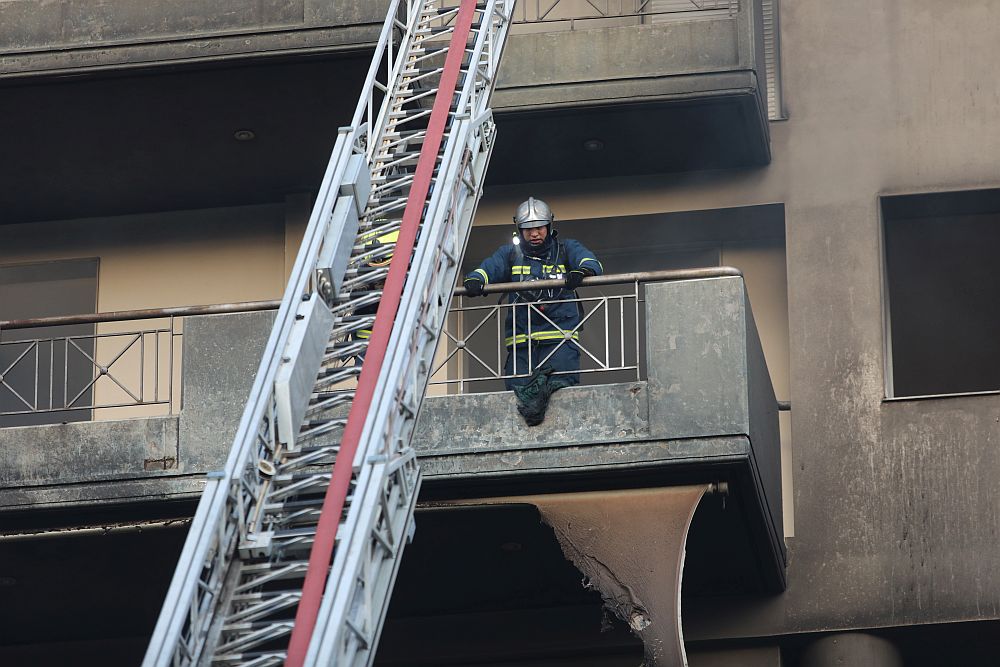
[(217, 379), (490, 421), (69, 463)]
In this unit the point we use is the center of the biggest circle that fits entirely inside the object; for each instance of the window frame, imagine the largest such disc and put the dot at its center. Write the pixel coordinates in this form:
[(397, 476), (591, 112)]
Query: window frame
[(888, 380)]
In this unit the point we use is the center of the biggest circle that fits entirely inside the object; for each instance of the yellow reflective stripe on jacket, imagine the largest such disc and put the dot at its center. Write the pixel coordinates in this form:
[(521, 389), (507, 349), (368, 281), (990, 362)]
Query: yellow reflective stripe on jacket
[(373, 240), (363, 334), (486, 277), (540, 336), (380, 238), (592, 259), (525, 269)]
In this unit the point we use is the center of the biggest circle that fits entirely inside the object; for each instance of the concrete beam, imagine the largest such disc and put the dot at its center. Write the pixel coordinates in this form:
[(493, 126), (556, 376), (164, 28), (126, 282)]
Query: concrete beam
[(86, 451), (41, 37), (60, 462)]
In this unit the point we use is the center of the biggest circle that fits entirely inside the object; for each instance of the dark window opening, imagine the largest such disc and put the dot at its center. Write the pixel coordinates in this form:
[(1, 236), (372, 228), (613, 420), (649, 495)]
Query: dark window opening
[(943, 311)]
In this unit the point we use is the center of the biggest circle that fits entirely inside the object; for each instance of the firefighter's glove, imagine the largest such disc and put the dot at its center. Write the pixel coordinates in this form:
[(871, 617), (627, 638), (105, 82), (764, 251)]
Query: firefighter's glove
[(576, 277), (473, 287)]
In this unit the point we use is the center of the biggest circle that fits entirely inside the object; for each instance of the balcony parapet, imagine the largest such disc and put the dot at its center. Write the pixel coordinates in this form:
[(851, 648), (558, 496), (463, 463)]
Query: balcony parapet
[(704, 413), (39, 37)]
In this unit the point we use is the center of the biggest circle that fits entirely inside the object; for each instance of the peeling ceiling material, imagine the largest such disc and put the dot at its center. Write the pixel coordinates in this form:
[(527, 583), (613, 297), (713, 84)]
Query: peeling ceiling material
[(630, 546)]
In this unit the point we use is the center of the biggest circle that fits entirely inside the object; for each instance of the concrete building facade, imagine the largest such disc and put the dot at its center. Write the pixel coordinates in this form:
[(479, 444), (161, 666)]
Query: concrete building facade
[(174, 149)]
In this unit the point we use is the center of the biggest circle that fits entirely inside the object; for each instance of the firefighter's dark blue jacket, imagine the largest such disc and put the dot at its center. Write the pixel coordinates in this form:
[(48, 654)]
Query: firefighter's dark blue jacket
[(522, 263)]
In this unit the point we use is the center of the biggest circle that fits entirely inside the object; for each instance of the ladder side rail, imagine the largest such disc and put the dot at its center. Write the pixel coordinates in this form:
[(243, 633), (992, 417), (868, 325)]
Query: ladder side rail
[(208, 546), (394, 67), (463, 146), (326, 534), (377, 444), (337, 643), (409, 370), (490, 45), (208, 543)]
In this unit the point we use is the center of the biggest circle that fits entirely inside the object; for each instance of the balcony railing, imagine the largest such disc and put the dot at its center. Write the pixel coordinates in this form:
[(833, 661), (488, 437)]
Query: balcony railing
[(609, 337), (84, 372), (548, 15), (121, 364)]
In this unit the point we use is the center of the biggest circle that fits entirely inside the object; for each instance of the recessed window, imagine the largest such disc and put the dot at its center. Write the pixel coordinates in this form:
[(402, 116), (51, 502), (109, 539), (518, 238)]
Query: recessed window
[(943, 301)]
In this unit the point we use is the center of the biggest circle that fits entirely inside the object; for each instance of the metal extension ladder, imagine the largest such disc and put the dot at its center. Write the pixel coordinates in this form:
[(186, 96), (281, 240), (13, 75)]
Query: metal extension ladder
[(286, 561)]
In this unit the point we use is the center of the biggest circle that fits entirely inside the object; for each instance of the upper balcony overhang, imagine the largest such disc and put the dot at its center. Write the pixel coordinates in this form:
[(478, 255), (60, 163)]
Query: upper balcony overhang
[(57, 38), (664, 96), (115, 108)]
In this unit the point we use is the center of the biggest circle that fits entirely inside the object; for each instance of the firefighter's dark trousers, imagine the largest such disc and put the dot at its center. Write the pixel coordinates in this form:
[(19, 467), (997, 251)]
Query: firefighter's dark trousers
[(565, 357)]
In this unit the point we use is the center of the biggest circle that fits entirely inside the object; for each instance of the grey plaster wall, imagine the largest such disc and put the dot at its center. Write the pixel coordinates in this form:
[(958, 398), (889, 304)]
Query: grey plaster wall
[(600, 427), (39, 37), (696, 347), (221, 356), (882, 96), (477, 423), (895, 517)]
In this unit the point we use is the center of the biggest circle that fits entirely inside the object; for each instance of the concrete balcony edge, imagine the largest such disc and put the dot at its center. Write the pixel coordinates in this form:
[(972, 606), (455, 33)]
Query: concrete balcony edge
[(187, 50), (624, 90)]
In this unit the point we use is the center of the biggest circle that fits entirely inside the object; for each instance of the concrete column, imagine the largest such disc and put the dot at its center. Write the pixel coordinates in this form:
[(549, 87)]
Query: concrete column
[(696, 352), (851, 648)]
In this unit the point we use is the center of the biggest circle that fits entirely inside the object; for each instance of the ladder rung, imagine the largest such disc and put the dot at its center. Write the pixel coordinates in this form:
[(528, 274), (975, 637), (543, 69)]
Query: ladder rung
[(250, 635), (252, 659), (261, 604)]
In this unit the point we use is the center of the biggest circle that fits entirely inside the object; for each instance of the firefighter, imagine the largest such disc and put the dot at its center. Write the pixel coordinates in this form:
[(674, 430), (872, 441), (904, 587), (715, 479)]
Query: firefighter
[(547, 333)]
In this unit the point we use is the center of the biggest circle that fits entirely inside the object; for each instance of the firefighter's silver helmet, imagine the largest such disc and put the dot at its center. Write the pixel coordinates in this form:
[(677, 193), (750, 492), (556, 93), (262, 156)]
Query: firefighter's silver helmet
[(533, 213)]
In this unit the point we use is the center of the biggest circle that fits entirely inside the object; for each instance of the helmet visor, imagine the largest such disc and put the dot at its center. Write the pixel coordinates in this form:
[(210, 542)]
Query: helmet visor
[(531, 224)]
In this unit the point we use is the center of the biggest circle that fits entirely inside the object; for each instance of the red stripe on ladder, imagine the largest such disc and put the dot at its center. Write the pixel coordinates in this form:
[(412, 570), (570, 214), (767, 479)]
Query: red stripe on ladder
[(336, 493)]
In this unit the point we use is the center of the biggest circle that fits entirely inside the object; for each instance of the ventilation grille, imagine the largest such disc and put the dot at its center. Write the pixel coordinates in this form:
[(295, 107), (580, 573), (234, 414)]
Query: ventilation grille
[(772, 60)]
